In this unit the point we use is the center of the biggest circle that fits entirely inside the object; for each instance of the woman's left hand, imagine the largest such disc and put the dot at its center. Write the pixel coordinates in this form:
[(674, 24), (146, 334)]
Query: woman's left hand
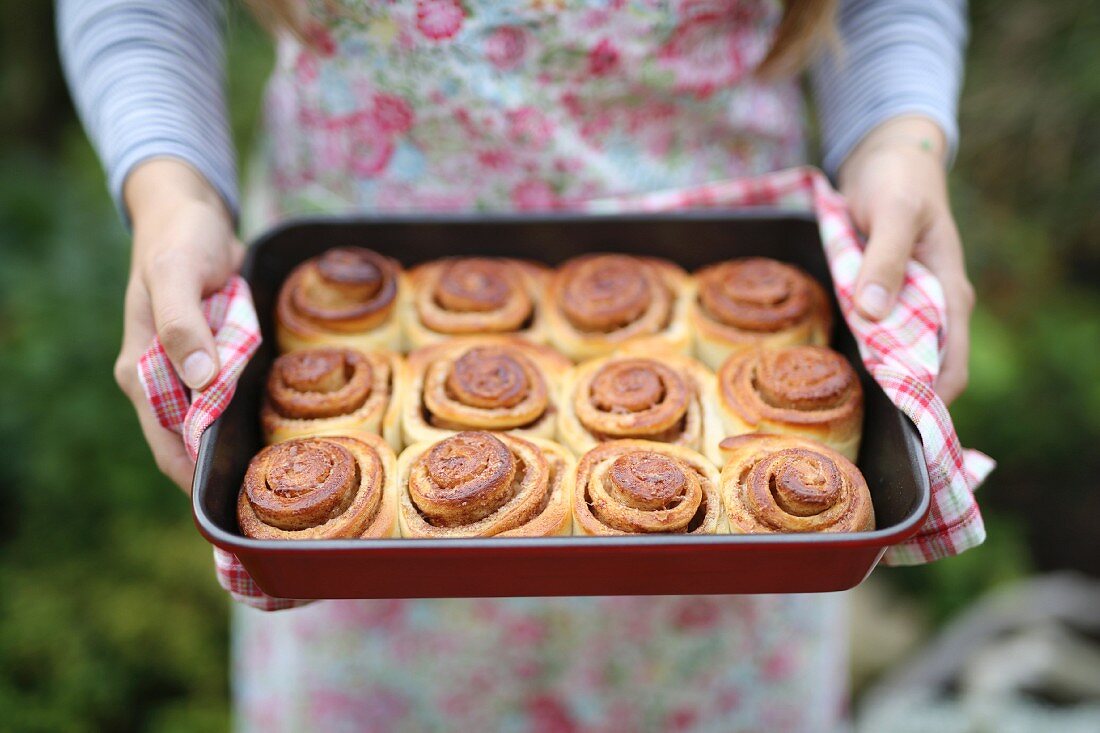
[(895, 182)]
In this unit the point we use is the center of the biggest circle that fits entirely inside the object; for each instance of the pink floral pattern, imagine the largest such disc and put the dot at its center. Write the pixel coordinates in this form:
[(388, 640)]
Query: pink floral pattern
[(706, 50), (708, 663), (506, 46), (439, 20), (521, 104), (530, 105)]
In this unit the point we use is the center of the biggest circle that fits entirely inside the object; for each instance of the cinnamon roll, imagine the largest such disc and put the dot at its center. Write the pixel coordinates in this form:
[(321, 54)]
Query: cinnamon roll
[(785, 483), (595, 303), (481, 484), (482, 383), (810, 391), (331, 390), (345, 297), (756, 302), (333, 487), (465, 296), (670, 399), (643, 487)]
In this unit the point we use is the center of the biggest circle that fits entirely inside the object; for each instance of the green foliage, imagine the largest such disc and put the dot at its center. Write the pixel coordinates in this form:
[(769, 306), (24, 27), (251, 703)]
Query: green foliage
[(110, 614), (946, 587), (1025, 189), (110, 618)]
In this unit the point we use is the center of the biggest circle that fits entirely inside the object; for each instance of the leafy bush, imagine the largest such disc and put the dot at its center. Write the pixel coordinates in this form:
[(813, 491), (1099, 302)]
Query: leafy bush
[(109, 615)]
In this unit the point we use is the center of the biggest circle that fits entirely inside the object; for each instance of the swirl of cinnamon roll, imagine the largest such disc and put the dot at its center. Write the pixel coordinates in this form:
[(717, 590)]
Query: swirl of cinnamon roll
[(643, 487), (757, 301), (482, 383), (338, 487), (598, 302), (626, 396), (803, 390), (488, 377), (326, 390), (346, 296), (475, 295), (783, 483), (480, 484)]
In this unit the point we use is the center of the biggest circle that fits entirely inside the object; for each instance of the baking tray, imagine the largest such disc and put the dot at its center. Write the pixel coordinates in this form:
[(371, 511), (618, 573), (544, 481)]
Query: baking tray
[(890, 455)]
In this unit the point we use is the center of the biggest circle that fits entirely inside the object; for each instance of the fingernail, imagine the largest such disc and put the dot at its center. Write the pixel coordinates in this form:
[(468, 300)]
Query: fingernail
[(872, 300), (198, 369)]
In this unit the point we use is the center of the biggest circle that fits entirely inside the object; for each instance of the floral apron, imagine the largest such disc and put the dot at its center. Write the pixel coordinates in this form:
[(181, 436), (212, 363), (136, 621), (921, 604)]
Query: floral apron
[(442, 105)]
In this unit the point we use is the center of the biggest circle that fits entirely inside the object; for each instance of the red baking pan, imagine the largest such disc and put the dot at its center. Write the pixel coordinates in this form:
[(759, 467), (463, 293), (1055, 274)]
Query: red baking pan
[(890, 455)]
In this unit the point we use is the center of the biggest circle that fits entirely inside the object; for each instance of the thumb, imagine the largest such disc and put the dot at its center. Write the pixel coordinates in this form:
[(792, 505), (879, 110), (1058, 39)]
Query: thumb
[(175, 292), (892, 234)]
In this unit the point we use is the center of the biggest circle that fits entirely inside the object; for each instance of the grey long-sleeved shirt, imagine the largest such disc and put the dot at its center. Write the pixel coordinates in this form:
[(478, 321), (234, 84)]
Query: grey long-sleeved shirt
[(148, 78)]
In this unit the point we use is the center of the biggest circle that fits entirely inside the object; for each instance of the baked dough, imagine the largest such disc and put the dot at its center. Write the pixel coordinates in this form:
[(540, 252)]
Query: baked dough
[(482, 484), (329, 487), (327, 390), (756, 302), (641, 487), (810, 391), (596, 303), (469, 296), (344, 297), (482, 383), (669, 399), (784, 483)]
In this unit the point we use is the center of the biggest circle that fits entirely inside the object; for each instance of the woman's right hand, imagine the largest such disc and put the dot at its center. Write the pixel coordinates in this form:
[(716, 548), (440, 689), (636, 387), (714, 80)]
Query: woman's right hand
[(184, 249)]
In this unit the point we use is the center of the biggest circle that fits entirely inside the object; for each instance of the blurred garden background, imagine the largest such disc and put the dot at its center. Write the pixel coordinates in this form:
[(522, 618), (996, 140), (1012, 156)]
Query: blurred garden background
[(110, 618)]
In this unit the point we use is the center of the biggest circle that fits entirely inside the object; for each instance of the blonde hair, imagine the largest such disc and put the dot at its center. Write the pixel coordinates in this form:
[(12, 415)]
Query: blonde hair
[(805, 27)]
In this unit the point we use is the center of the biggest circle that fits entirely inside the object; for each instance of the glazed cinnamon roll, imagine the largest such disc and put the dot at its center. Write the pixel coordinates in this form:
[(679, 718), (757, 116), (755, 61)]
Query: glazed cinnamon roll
[(643, 487), (334, 487), (465, 296), (784, 483), (596, 303), (481, 484), (332, 390), (669, 399), (482, 383), (345, 297), (810, 391), (756, 302)]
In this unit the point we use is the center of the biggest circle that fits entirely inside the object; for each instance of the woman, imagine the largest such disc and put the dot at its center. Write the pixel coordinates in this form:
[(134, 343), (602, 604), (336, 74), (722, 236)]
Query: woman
[(427, 105)]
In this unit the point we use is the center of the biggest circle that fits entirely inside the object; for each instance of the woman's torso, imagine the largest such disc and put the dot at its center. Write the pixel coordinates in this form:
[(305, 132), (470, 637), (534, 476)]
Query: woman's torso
[(417, 105), (438, 105)]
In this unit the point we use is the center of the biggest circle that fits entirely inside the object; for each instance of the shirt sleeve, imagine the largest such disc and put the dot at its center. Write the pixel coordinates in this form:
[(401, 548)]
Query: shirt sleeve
[(897, 57), (148, 80)]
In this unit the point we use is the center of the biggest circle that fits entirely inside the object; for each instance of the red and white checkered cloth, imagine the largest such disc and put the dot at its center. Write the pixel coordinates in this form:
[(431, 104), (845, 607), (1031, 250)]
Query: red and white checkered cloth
[(232, 319), (902, 352)]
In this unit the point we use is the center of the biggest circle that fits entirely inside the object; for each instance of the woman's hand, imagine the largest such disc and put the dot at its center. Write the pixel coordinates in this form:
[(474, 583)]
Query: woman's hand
[(184, 249), (895, 183)]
